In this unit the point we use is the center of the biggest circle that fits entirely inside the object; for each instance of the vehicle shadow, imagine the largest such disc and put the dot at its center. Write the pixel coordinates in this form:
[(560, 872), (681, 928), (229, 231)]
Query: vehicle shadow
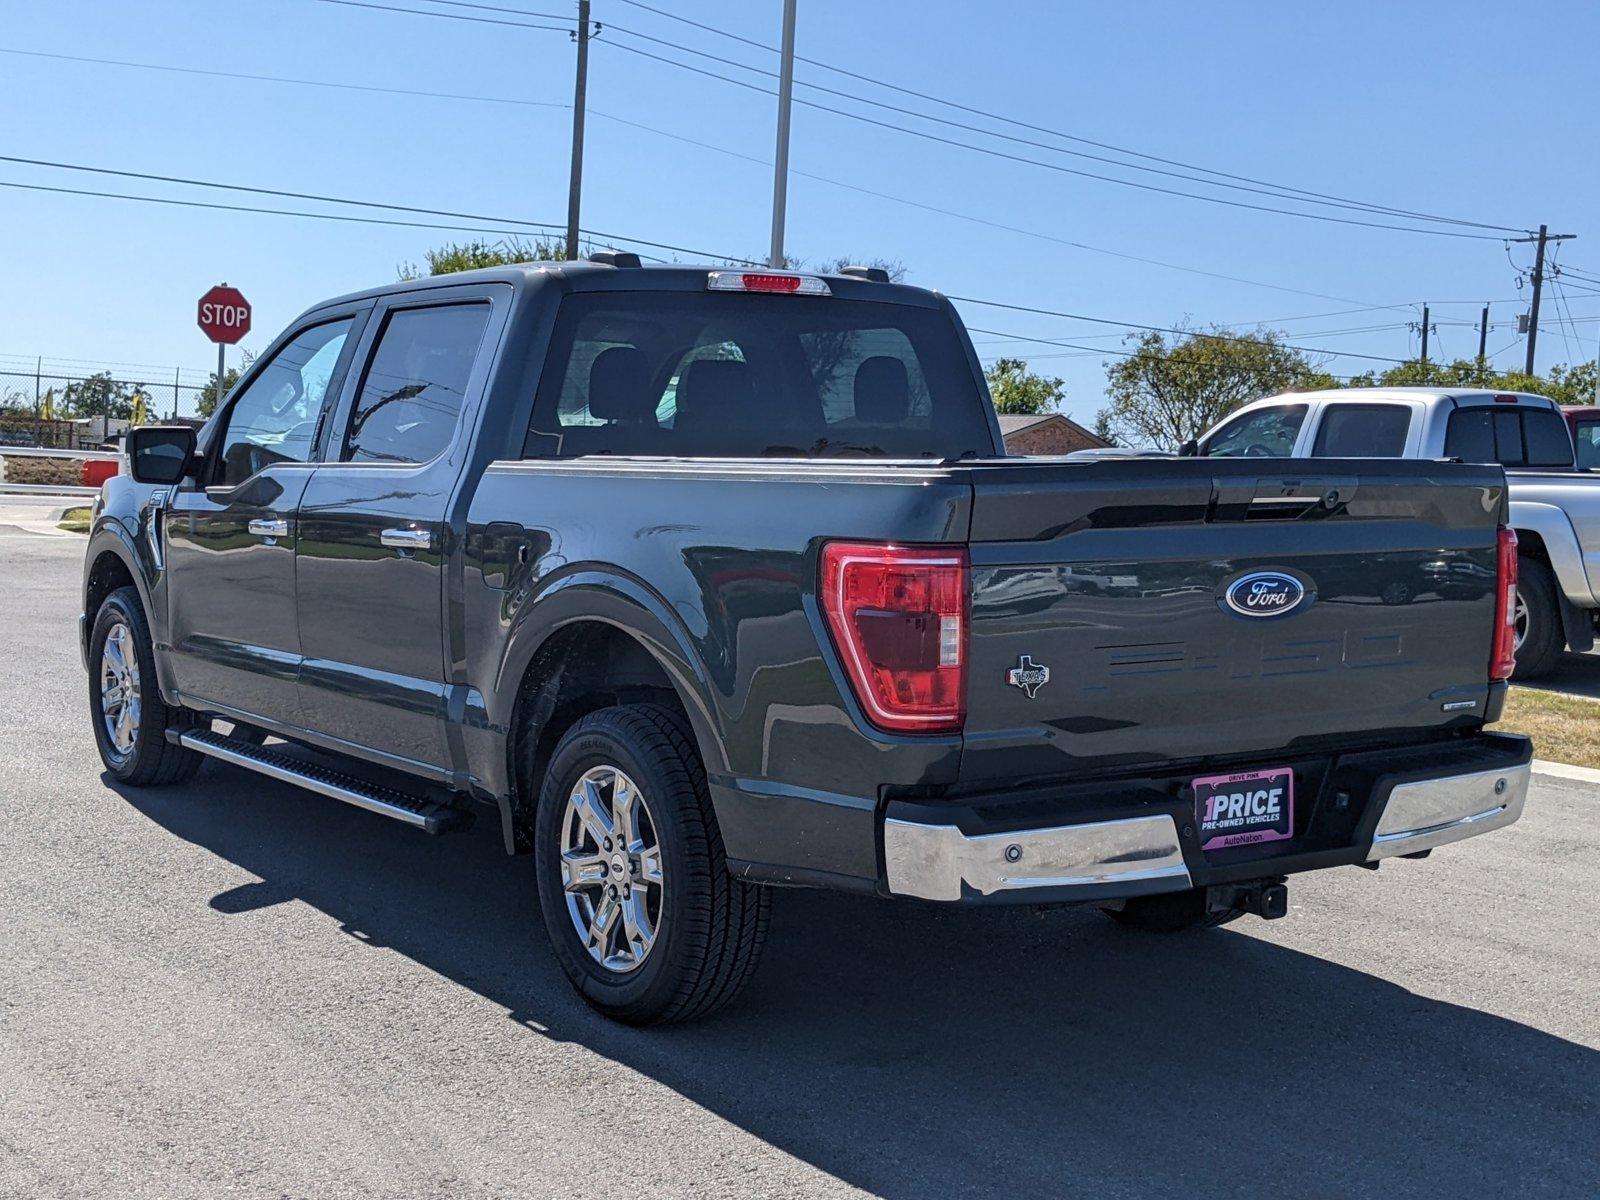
[(916, 1051)]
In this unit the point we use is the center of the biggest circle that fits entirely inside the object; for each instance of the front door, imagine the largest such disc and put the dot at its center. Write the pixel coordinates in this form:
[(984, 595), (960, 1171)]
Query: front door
[(230, 539), (372, 546)]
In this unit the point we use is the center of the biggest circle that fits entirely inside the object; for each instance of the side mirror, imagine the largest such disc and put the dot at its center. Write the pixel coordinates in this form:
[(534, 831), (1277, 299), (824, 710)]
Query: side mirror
[(160, 453), (1189, 449)]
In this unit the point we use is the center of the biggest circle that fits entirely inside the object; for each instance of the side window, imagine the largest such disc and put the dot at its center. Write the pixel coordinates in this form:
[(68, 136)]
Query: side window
[(1588, 443), (410, 401), (275, 418), (1264, 433), (1545, 439), (1362, 431)]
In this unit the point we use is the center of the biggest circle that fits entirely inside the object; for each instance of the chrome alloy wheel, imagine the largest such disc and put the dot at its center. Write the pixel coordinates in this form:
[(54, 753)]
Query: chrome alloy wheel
[(119, 690), (1520, 620), (611, 869)]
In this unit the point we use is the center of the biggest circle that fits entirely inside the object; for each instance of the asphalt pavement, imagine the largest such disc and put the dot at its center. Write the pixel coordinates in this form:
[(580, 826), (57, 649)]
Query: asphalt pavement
[(237, 988)]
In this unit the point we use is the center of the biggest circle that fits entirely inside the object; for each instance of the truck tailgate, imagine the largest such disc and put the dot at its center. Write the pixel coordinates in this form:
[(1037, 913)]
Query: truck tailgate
[(1202, 609)]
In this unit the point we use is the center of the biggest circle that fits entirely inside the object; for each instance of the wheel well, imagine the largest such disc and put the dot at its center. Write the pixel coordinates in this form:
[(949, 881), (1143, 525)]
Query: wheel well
[(107, 575), (581, 669), (1530, 543)]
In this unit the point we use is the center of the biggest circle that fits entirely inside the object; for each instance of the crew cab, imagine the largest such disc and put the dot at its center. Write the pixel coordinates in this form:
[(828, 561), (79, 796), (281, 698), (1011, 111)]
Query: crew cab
[(708, 581), (1554, 502)]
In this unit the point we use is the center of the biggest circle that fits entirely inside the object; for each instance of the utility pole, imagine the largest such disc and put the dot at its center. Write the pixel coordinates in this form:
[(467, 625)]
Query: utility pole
[(1424, 333), (780, 162), (1544, 236), (1483, 336), (580, 91)]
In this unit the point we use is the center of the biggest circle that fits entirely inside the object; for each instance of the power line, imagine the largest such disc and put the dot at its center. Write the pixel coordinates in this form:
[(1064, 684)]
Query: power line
[(325, 199), (1091, 350), (1225, 337), (966, 145), (878, 82), (321, 83), (1270, 190), (418, 12), (1058, 167), (751, 158)]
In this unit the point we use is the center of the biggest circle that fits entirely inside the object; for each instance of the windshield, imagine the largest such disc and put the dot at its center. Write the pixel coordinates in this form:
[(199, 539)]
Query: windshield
[(688, 374)]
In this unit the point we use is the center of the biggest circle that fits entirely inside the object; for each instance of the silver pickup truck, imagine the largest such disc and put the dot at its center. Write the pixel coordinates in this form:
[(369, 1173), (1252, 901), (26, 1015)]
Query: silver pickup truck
[(1555, 507)]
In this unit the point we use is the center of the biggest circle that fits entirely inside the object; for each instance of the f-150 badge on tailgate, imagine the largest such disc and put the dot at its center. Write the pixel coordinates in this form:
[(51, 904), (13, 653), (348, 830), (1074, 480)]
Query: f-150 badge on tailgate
[(1028, 675)]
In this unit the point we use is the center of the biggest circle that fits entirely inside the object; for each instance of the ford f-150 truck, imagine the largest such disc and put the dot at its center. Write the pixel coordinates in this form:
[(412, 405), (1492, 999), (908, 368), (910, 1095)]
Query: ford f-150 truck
[(709, 580), (1554, 504)]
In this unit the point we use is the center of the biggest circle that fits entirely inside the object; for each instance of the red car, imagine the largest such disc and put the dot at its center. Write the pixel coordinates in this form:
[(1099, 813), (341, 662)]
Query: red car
[(1584, 421)]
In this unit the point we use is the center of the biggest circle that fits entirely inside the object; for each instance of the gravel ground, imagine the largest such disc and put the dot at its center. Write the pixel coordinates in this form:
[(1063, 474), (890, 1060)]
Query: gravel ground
[(236, 988)]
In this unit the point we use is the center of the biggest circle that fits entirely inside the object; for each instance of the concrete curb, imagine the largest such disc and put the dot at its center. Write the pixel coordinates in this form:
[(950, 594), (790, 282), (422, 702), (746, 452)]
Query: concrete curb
[(1563, 771)]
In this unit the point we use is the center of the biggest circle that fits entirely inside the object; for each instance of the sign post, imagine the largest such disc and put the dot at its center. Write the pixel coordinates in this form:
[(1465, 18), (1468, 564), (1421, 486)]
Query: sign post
[(223, 316)]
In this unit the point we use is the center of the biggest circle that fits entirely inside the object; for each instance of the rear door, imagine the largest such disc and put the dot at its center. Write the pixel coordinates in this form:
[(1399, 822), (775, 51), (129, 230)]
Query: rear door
[(230, 543), (1207, 609), (374, 540)]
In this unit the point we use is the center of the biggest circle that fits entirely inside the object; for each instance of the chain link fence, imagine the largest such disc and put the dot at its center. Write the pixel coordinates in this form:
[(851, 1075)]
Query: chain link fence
[(85, 412)]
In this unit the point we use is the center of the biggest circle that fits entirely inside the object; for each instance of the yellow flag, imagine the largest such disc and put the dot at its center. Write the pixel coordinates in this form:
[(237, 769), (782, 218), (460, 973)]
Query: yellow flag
[(139, 415), (47, 409)]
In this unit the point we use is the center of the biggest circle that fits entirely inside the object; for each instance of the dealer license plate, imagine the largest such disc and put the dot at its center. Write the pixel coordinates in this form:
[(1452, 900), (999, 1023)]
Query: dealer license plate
[(1244, 808)]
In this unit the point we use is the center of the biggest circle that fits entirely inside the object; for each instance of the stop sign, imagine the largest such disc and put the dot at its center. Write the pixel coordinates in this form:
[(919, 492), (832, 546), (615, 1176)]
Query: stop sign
[(224, 314)]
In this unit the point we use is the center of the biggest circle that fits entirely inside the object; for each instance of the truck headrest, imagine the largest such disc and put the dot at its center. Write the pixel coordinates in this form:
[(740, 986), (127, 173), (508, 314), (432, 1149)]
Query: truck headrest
[(882, 391), (715, 392), (619, 387)]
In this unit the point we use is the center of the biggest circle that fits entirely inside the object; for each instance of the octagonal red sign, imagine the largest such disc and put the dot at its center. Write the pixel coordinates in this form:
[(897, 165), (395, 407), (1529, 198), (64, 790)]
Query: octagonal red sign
[(224, 314)]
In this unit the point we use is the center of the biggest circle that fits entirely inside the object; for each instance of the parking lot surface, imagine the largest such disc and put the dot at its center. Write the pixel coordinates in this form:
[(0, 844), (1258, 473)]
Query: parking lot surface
[(237, 988)]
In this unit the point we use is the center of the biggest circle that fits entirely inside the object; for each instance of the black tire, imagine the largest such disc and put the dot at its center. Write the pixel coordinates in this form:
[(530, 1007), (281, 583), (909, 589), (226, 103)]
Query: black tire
[(710, 927), (1171, 912), (1544, 640), (151, 760)]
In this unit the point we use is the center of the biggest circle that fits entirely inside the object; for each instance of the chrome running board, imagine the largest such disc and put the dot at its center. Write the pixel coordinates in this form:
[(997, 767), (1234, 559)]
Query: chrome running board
[(374, 797)]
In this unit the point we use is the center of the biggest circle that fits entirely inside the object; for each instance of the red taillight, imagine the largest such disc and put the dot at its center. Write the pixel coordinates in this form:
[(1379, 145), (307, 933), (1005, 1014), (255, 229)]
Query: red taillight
[(1503, 656), (898, 615), (1505, 398)]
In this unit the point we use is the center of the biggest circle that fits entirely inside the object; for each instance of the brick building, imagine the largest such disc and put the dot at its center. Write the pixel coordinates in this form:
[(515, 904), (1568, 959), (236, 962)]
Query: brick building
[(1046, 433)]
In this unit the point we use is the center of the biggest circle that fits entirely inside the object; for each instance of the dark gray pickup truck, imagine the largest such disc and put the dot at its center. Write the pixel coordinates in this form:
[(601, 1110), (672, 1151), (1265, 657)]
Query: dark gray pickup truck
[(710, 580)]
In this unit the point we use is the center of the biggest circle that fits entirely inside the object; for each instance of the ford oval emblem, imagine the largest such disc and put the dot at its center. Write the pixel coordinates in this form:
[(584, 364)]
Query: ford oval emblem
[(1265, 594)]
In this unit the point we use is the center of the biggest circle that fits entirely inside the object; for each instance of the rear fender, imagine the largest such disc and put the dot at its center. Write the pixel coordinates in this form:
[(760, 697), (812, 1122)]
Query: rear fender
[(624, 603), (1553, 531)]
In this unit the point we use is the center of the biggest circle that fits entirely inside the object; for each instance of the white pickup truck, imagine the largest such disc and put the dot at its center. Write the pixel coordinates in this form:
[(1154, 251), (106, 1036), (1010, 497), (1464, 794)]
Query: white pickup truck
[(1555, 507)]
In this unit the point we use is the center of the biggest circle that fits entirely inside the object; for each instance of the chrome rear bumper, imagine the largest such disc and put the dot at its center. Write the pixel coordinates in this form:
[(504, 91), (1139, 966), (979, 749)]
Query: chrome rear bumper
[(939, 862), (1435, 812), (1141, 855)]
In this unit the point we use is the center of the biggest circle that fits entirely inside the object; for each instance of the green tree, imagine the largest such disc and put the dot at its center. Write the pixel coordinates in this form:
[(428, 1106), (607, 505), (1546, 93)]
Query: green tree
[(98, 396), (1017, 390), (1173, 387), (206, 402), (476, 254), (1564, 384)]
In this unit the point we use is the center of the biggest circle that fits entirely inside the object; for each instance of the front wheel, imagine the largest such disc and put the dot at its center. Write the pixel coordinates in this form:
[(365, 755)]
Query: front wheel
[(130, 718), (637, 900)]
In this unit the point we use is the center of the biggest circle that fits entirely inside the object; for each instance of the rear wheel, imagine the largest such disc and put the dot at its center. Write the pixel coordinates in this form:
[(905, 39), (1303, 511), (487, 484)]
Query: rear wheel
[(1539, 639), (1172, 912), (637, 900), (130, 718)]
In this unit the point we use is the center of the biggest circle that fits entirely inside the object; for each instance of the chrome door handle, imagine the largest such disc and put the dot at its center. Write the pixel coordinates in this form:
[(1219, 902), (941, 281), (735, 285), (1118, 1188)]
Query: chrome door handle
[(269, 527), (407, 539)]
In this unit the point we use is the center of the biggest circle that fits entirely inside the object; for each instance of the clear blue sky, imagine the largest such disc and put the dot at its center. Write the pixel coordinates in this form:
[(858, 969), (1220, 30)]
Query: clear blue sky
[(1467, 109)]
